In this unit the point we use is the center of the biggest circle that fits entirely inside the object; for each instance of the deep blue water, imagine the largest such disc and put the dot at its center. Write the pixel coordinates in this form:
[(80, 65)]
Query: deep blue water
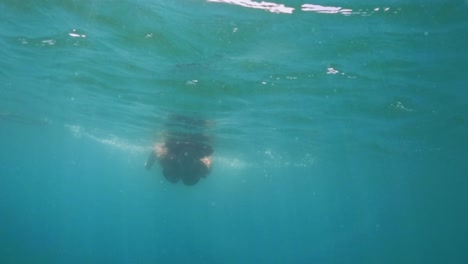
[(339, 128)]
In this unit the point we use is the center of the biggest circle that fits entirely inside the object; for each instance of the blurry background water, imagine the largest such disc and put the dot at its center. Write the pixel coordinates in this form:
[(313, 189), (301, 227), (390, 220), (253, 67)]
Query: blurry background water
[(339, 128)]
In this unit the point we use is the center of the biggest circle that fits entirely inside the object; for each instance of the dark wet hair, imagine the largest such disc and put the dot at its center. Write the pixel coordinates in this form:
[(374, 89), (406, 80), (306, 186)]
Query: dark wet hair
[(187, 168)]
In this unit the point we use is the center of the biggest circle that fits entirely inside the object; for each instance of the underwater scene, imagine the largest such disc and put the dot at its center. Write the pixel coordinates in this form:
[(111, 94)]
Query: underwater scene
[(233, 131)]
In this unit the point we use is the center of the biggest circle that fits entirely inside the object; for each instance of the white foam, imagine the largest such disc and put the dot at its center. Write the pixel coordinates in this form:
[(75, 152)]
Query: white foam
[(269, 6), (110, 140)]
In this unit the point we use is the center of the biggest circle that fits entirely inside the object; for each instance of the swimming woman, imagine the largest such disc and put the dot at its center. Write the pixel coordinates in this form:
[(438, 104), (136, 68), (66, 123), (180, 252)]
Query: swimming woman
[(185, 157)]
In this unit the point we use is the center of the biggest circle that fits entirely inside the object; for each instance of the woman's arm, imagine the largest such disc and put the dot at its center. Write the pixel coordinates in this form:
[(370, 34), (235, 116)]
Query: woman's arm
[(207, 161), (159, 152), (150, 161)]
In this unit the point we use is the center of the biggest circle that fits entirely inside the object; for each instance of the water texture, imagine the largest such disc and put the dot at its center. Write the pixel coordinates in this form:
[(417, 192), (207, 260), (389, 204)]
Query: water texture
[(339, 128)]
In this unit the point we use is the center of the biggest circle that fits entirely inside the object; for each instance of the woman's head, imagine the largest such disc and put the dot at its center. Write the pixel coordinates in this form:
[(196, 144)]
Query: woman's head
[(185, 167)]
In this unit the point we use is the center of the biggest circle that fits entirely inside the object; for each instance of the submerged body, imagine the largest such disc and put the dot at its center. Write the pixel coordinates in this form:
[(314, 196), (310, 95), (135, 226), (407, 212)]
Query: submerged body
[(184, 159), (185, 154)]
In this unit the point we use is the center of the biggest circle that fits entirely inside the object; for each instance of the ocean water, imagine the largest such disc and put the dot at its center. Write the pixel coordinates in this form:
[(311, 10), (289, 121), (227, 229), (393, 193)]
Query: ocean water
[(339, 129)]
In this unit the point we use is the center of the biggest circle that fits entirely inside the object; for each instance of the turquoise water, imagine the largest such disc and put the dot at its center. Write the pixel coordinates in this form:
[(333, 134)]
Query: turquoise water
[(339, 128)]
